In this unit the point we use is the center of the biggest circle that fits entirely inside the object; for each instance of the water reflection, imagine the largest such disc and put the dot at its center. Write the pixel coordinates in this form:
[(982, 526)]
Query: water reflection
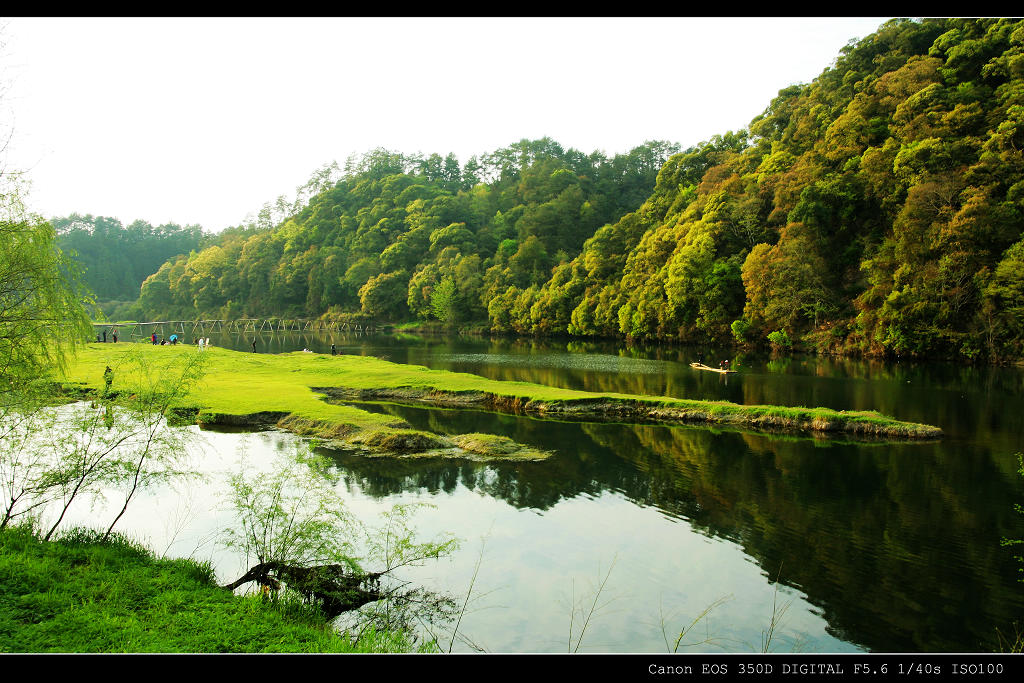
[(895, 546), (886, 540), (966, 401)]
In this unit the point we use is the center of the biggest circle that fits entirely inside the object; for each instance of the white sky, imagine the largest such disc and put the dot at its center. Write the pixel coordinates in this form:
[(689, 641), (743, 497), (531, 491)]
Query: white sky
[(203, 120)]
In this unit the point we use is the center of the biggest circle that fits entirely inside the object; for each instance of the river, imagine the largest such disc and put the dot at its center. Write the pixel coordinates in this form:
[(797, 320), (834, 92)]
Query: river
[(791, 544)]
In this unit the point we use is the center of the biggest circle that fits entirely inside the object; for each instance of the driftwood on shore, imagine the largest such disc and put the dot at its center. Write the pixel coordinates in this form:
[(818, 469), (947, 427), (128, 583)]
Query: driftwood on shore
[(333, 586), (701, 366)]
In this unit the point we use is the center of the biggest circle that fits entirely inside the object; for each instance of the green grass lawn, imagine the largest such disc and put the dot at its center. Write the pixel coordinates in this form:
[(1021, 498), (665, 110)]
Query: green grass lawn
[(238, 384), (76, 594)]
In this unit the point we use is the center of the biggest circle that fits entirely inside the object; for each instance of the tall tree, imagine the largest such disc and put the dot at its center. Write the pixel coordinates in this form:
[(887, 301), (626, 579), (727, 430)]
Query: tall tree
[(42, 303)]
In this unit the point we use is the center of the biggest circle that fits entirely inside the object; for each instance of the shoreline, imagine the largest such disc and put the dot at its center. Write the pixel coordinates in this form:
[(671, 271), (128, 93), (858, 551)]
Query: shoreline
[(297, 392), (654, 410)]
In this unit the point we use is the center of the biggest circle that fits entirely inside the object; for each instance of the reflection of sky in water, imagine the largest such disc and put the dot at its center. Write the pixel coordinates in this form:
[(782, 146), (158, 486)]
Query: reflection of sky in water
[(571, 361), (534, 564)]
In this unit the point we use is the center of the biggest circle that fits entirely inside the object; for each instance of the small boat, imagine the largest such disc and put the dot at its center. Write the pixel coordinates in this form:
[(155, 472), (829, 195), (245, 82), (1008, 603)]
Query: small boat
[(701, 366)]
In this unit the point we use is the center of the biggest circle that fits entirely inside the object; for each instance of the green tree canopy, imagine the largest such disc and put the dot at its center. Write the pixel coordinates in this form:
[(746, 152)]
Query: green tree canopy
[(42, 304)]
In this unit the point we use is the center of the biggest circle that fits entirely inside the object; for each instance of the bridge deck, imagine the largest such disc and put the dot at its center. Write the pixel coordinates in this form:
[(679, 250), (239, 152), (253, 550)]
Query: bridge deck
[(240, 326)]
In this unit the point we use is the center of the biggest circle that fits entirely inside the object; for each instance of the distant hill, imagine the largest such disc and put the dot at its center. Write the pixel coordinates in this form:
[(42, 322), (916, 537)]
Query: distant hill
[(411, 236), (877, 210), (116, 259)]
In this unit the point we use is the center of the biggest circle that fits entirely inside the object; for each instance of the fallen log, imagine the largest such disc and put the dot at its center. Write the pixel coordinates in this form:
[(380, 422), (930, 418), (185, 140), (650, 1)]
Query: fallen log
[(333, 586)]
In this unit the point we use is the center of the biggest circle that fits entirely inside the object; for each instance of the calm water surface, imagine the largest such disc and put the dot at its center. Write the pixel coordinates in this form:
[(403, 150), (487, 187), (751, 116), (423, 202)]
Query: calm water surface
[(866, 546)]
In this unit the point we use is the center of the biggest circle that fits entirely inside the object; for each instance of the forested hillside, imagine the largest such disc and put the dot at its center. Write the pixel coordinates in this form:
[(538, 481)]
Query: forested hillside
[(116, 259), (402, 236), (877, 210)]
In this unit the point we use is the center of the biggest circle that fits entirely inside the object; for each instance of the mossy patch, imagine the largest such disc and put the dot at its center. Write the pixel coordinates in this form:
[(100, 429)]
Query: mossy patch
[(492, 446), (398, 440)]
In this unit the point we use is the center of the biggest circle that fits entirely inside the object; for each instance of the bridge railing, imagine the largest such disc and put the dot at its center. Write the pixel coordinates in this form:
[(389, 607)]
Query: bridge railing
[(240, 326)]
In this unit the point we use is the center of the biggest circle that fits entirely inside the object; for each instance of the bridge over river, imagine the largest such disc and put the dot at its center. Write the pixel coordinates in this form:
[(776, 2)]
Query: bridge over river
[(165, 328)]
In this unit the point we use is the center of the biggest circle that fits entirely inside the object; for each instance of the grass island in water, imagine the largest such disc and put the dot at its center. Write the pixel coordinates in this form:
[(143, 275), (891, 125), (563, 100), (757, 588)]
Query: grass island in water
[(300, 392)]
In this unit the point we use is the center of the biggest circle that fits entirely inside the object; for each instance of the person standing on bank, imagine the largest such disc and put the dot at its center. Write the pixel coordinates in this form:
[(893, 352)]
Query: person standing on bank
[(334, 351), (254, 346)]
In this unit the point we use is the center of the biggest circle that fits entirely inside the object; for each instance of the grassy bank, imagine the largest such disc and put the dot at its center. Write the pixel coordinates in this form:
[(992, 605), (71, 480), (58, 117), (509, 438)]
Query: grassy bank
[(289, 390), (79, 595)]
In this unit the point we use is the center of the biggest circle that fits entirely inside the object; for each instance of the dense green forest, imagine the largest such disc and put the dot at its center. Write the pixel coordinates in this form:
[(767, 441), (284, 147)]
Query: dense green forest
[(116, 259), (877, 210), (412, 236)]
